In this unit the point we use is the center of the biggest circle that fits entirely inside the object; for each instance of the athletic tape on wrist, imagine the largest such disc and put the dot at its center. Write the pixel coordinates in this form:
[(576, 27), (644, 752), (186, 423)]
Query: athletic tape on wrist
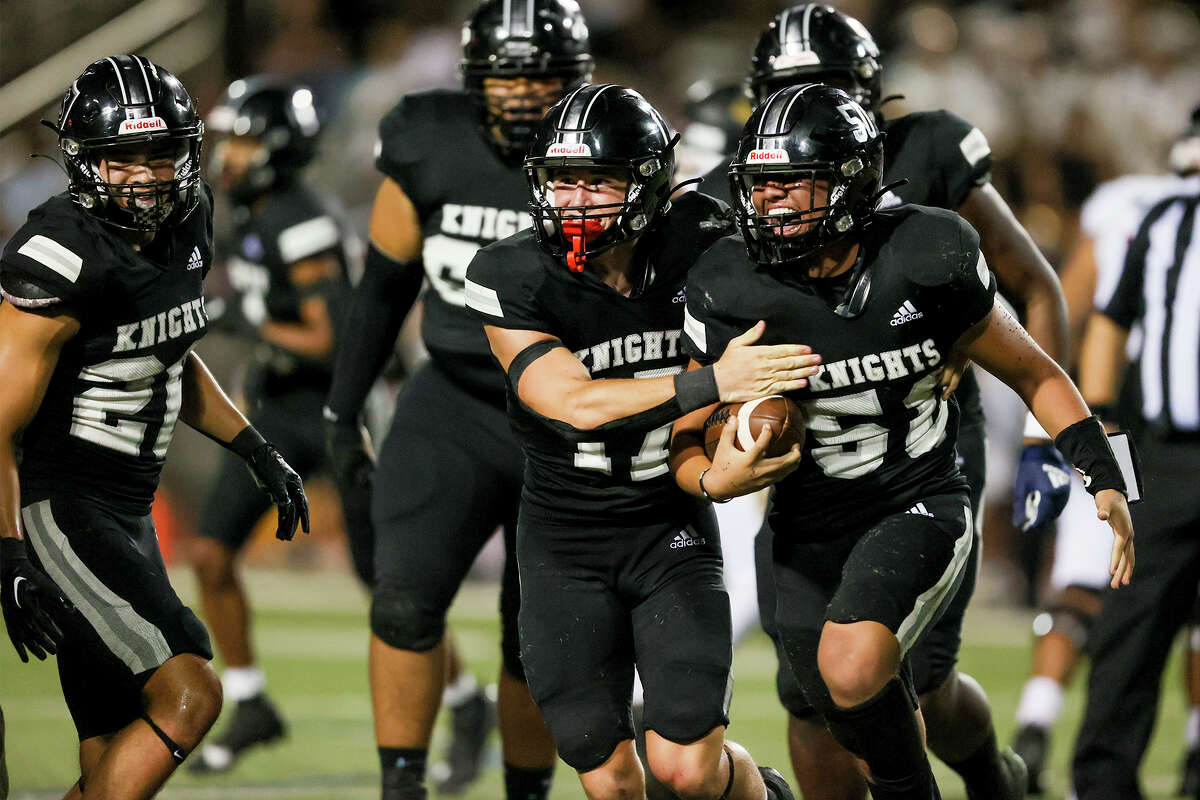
[(247, 442), (696, 389), (1085, 445)]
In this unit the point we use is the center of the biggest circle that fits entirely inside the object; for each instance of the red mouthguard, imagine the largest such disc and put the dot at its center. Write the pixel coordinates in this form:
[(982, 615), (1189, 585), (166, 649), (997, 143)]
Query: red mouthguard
[(580, 232)]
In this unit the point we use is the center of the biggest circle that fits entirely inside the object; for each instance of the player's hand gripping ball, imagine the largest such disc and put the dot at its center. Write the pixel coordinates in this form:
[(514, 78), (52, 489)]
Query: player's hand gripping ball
[(782, 415)]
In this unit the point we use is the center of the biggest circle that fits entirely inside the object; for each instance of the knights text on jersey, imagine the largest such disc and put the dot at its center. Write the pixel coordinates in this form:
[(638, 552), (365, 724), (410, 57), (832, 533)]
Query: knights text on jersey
[(292, 225), (878, 432), (575, 477), (110, 409), (432, 145)]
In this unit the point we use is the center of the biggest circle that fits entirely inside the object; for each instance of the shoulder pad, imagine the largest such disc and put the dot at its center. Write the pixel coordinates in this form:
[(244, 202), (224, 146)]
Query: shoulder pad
[(24, 293), (57, 249), (419, 123), (298, 226), (503, 279), (946, 242)]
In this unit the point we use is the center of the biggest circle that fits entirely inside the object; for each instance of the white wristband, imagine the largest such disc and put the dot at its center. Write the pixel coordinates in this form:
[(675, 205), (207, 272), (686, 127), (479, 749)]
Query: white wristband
[(1034, 429)]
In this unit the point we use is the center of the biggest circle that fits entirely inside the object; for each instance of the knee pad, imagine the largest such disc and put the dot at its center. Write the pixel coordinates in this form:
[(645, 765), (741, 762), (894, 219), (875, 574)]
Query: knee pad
[(584, 736), (177, 752), (401, 624), (791, 697), (801, 688), (1068, 618)]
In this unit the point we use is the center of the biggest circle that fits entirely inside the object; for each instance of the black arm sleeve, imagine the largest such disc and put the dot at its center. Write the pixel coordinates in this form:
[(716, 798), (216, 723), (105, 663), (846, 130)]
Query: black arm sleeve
[(378, 306)]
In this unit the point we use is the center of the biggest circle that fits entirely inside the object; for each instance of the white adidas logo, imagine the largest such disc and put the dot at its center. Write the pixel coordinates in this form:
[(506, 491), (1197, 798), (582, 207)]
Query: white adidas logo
[(920, 508), (685, 539), (906, 313), (195, 261)]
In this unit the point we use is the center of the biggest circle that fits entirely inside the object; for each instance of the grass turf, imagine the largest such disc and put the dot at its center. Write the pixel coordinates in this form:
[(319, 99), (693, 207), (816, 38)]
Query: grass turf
[(310, 631)]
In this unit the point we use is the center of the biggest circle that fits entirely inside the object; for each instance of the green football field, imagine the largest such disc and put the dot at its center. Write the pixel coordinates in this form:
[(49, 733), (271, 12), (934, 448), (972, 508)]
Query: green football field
[(311, 635)]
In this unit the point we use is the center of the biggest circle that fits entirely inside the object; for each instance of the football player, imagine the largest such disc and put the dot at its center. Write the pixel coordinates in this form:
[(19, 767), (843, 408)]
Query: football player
[(103, 304), (450, 470), (288, 266), (945, 163), (617, 566), (873, 532), (1108, 222)]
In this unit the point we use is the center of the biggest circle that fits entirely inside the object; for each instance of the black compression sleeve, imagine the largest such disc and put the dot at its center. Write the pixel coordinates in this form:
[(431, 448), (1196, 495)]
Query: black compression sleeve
[(1085, 445), (378, 306)]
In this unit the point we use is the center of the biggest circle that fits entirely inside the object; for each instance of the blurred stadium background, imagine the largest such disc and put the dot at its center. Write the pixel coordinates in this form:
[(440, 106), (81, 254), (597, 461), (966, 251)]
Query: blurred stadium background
[(1069, 92)]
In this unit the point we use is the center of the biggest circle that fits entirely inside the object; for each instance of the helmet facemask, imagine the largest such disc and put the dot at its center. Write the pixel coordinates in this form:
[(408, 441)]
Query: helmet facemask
[(142, 206), (510, 110), (777, 232), (575, 233)]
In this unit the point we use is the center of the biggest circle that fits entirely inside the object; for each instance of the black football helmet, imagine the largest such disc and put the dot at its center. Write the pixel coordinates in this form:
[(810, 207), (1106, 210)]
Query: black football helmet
[(810, 132), (535, 39), (602, 126), (1184, 157), (128, 100), (280, 115), (814, 43)]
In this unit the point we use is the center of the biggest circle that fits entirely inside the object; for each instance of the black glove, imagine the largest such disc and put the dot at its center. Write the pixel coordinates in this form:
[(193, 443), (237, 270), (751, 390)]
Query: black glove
[(276, 478), (350, 455), (29, 598)]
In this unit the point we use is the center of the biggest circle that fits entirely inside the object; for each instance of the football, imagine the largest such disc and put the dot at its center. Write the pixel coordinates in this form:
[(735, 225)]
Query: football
[(780, 414)]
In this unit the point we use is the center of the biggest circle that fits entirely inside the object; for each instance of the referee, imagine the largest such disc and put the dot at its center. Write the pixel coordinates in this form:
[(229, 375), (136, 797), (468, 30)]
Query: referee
[(1158, 292)]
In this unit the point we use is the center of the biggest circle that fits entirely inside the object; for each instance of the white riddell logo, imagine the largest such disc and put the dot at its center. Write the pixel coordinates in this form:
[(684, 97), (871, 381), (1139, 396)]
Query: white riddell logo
[(195, 261), (141, 125), (685, 539), (906, 313), (569, 149)]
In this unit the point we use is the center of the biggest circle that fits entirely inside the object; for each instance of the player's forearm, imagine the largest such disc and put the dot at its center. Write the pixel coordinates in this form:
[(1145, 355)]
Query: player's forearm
[(687, 459), (1046, 320), (1102, 360), (596, 403), (10, 492), (1056, 404), (205, 405), (378, 306), (311, 341), (1021, 270)]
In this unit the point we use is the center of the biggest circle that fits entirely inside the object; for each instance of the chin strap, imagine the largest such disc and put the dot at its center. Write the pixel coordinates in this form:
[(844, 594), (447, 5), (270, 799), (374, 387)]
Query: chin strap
[(579, 233)]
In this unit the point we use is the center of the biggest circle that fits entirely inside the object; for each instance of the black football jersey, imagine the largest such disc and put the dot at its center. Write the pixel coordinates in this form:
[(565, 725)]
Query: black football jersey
[(110, 409), (879, 434), (618, 475), (942, 157), (432, 145), (291, 225)]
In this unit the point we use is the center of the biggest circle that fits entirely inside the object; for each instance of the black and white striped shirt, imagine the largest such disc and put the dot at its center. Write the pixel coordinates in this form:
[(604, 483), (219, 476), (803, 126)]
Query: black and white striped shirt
[(1159, 288)]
